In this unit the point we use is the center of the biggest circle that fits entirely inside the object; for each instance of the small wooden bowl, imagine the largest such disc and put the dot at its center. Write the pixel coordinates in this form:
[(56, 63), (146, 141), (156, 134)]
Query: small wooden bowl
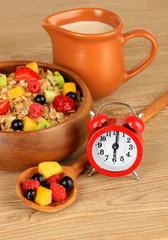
[(21, 150)]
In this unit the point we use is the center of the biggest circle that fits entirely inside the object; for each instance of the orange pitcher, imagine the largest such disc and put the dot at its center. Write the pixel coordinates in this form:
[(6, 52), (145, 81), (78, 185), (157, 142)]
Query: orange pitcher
[(97, 58)]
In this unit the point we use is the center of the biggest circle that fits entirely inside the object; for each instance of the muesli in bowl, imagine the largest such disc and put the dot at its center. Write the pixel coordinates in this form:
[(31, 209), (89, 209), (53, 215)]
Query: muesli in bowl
[(32, 98)]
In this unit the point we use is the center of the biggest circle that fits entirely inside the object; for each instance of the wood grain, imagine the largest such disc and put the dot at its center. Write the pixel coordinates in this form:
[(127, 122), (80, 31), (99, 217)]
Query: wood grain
[(105, 208)]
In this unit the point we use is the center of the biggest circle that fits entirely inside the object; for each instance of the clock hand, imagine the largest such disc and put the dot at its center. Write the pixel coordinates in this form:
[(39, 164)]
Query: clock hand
[(115, 145)]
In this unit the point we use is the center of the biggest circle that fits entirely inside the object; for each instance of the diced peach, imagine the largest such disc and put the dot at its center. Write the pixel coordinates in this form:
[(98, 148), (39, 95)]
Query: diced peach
[(33, 66), (48, 169), (29, 124), (16, 92), (43, 196), (69, 87)]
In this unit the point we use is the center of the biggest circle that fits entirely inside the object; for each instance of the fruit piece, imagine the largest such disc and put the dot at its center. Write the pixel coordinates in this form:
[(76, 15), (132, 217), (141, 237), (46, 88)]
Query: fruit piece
[(49, 95), (29, 124), (58, 192), (43, 196), (35, 110), (46, 185), (43, 124), (17, 124), (16, 92), (56, 79), (34, 86), (69, 87), (33, 66), (59, 79), (67, 182), (48, 169), (25, 73), (30, 194), (72, 95), (3, 80), (30, 183), (40, 99), (4, 107), (54, 179), (64, 104), (38, 177)]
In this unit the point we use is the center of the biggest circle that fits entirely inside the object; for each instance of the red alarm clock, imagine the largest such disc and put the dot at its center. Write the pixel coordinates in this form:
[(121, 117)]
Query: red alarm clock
[(115, 145)]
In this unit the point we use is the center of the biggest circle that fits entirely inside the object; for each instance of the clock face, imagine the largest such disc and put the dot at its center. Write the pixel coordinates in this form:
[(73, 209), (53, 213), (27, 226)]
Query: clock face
[(114, 151)]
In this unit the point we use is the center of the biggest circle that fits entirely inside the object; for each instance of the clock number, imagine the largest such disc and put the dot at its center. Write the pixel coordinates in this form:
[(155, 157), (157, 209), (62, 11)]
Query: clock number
[(106, 156), (101, 152), (122, 158), (108, 134), (114, 159), (130, 147), (128, 140), (128, 154), (123, 134), (99, 144), (102, 138), (114, 133)]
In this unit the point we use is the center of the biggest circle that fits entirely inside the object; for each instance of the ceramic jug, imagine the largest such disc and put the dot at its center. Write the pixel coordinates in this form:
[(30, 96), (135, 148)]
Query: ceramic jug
[(97, 58)]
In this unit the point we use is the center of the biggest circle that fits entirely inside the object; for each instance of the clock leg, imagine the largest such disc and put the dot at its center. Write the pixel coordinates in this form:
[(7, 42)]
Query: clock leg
[(91, 171), (136, 175)]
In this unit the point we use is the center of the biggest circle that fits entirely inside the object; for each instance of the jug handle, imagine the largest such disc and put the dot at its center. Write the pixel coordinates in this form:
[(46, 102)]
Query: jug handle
[(148, 59)]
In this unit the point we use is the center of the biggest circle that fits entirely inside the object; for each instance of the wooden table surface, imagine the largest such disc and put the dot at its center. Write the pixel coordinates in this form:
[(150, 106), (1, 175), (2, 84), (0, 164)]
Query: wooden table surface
[(106, 208)]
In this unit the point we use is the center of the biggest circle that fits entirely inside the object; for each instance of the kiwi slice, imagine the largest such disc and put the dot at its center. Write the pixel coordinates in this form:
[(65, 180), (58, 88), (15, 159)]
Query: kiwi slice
[(60, 79), (49, 95), (43, 124), (56, 79), (3, 80)]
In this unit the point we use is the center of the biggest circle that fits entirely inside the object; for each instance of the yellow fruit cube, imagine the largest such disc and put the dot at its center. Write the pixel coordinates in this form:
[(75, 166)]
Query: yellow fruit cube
[(43, 196), (69, 87), (16, 92), (29, 124), (33, 66), (48, 169)]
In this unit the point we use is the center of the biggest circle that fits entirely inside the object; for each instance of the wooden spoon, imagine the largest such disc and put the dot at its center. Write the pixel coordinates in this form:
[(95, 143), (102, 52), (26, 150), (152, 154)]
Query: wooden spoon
[(72, 171)]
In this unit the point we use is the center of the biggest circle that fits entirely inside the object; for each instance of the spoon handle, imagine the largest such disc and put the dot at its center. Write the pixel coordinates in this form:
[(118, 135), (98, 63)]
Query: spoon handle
[(80, 165), (155, 107)]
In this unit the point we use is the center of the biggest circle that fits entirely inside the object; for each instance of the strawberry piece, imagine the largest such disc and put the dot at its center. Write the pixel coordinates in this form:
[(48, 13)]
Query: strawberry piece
[(64, 104), (24, 73), (4, 107)]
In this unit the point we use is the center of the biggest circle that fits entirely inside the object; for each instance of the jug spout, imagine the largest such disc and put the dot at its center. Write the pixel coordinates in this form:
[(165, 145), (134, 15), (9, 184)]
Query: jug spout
[(47, 26)]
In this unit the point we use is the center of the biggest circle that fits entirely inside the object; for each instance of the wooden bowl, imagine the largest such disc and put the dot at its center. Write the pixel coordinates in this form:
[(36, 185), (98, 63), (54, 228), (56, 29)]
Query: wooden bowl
[(21, 150)]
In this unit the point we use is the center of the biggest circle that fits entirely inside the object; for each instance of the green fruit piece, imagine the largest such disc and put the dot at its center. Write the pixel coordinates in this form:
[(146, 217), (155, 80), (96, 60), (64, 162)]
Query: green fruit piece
[(56, 79), (3, 80), (52, 80), (43, 124), (60, 79), (49, 95)]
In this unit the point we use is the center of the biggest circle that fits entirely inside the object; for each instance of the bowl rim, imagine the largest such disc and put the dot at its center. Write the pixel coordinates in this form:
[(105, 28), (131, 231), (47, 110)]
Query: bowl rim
[(83, 86)]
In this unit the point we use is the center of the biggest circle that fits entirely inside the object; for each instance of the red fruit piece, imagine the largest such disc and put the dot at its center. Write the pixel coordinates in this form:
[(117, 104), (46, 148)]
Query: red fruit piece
[(54, 179), (24, 73), (58, 192), (35, 110), (34, 86), (30, 184), (63, 103), (4, 107)]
